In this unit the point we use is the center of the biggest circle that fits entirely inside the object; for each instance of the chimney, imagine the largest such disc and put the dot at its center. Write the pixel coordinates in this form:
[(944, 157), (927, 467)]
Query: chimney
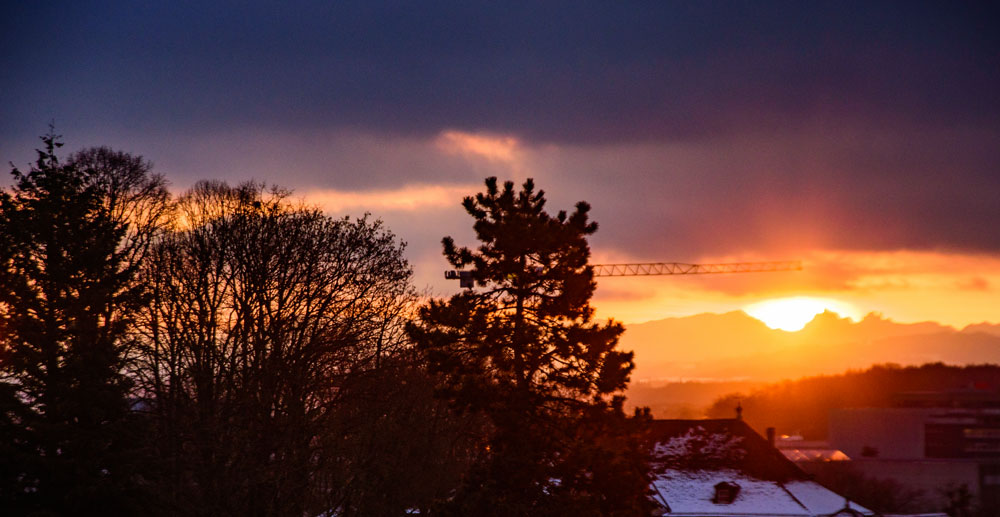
[(770, 436), (739, 410)]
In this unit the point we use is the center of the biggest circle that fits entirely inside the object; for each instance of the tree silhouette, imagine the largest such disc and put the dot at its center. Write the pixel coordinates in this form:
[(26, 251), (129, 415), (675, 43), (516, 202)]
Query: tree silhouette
[(522, 350), (69, 254), (264, 314)]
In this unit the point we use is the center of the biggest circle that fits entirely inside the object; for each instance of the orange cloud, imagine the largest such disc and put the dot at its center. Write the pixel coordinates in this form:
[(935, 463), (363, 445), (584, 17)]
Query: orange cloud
[(491, 147), (406, 199)]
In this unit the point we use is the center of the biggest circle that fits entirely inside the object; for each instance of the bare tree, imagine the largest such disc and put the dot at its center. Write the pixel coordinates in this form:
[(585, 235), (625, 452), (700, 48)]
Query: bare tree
[(132, 195), (262, 310)]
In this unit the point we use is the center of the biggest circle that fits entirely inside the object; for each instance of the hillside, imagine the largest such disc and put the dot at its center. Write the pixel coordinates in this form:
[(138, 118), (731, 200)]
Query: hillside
[(802, 406), (688, 399)]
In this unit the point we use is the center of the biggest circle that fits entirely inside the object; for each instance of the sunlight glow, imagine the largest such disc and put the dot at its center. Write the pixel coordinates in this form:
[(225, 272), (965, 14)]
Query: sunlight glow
[(792, 314), (950, 288)]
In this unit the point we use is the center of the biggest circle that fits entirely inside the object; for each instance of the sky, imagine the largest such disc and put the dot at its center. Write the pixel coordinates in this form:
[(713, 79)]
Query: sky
[(862, 138)]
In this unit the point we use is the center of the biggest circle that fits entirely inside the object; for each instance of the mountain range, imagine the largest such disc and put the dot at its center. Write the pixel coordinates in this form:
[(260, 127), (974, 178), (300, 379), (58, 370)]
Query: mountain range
[(735, 347)]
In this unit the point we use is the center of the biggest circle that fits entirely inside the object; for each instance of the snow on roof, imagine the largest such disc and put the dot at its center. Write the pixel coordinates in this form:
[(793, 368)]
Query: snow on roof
[(818, 499), (690, 493), (720, 444), (694, 456), (697, 440)]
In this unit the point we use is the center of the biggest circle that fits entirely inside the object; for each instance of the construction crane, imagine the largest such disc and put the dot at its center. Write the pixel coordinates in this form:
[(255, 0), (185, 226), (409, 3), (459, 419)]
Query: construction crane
[(680, 268), (663, 268)]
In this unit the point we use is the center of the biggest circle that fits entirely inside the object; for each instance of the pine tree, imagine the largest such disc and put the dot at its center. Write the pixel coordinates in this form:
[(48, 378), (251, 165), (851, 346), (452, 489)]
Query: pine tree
[(66, 295), (522, 349)]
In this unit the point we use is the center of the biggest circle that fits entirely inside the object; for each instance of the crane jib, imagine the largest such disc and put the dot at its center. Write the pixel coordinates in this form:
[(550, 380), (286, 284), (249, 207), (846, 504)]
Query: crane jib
[(680, 268), (664, 268)]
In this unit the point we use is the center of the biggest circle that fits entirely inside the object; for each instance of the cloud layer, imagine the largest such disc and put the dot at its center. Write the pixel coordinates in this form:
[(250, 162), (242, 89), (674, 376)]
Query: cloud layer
[(558, 71), (697, 130)]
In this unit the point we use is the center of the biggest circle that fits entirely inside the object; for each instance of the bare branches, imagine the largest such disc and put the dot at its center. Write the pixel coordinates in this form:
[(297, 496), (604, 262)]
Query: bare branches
[(263, 311)]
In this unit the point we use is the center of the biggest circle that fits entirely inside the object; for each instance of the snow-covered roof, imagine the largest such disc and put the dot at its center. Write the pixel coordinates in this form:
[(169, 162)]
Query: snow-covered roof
[(818, 499), (720, 444), (696, 457), (691, 493)]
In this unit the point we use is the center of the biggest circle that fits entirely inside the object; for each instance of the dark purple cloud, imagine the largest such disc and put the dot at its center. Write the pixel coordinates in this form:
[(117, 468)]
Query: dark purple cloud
[(876, 191), (694, 128), (560, 71)]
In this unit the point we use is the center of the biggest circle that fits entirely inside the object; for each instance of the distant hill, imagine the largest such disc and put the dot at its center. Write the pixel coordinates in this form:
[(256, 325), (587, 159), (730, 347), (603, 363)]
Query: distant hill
[(985, 328), (689, 399), (802, 406), (737, 347)]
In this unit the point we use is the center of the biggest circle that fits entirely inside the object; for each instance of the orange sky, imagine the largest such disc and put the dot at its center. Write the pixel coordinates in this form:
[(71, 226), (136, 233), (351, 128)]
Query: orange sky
[(950, 288), (863, 141)]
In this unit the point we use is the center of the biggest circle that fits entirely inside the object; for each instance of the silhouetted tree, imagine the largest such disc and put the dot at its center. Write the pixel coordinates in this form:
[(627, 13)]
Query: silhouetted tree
[(263, 312), (132, 195), (402, 447), (522, 351), (72, 236)]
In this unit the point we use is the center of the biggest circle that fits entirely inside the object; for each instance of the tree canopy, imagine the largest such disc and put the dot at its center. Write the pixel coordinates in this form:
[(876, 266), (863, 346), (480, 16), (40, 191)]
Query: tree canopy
[(521, 348), (263, 312), (229, 351), (72, 237)]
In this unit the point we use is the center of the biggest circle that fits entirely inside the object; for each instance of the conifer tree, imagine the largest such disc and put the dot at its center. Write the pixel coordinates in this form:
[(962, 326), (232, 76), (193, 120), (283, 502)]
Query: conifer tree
[(70, 440), (521, 348)]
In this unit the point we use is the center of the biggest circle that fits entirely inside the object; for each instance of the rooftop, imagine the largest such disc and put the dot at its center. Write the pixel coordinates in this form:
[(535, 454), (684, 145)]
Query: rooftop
[(724, 468)]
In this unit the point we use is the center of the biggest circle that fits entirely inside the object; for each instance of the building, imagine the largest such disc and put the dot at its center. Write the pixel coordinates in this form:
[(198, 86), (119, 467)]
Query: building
[(928, 441), (799, 450), (723, 468)]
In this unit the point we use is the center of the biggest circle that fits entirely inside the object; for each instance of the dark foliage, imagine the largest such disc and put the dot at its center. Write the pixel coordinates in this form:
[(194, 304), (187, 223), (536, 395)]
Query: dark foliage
[(401, 447), (72, 236), (522, 352), (232, 353), (269, 324)]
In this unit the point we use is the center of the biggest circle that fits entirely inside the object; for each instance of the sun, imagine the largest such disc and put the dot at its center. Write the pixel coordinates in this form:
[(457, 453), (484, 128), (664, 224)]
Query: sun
[(792, 314)]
